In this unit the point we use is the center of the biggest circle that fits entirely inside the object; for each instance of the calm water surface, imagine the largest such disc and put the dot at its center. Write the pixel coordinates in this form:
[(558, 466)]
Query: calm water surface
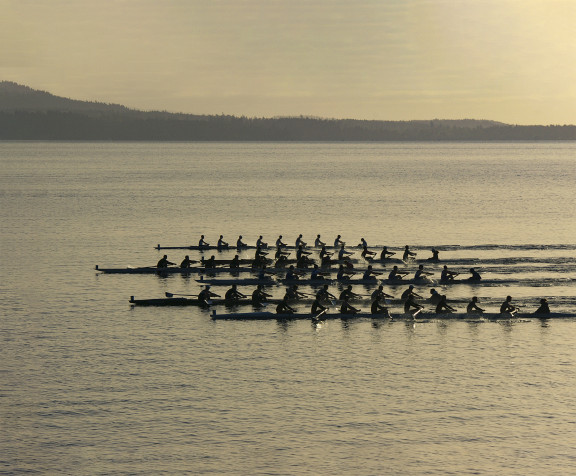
[(90, 385)]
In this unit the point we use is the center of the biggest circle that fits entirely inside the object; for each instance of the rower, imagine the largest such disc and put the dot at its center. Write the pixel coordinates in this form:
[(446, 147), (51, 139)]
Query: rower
[(324, 295), (385, 254), (544, 308), (281, 253), (317, 275), (380, 294), (260, 243), (475, 275), (369, 274), (240, 244), (284, 308), (442, 307), (435, 254), (164, 263), (343, 254), (325, 255), (377, 308), (232, 296), (409, 293), (396, 275), (318, 242), (412, 304), (420, 274), (279, 243), (362, 243), (434, 297), (186, 262), (210, 263), (263, 272), (235, 263), (508, 308), (348, 294), (205, 295), (447, 276), (292, 293), (347, 308), (344, 274), (292, 274), (299, 241), (367, 255), (202, 243), (472, 307), (301, 252), (259, 296), (338, 242), (408, 255), (317, 307), (259, 257), (222, 243)]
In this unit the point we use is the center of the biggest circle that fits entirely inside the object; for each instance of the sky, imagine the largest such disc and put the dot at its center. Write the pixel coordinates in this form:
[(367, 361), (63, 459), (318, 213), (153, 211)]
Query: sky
[(505, 60)]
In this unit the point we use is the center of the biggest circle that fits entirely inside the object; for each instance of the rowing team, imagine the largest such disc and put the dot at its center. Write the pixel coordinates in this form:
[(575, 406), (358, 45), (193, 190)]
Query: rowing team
[(323, 298)]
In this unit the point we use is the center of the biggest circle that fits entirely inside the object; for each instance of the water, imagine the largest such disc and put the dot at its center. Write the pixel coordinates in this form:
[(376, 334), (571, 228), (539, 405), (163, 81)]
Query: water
[(93, 386)]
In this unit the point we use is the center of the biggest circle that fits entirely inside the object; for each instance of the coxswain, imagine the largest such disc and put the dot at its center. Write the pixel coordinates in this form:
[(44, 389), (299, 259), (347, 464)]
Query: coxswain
[(205, 295), (370, 274), (202, 243), (318, 242), (435, 254), (343, 254), (409, 293), (221, 243), (348, 294), (317, 308), (544, 308), (420, 274), (324, 295), (473, 308), (232, 296), (235, 263), (367, 255), (347, 308), (284, 308), (396, 275), (385, 254), (279, 243), (408, 255), (338, 242), (259, 296), (442, 307), (210, 263), (475, 275), (240, 244), (186, 262), (412, 304), (434, 297), (377, 308), (380, 294), (508, 308), (164, 263), (299, 241), (260, 243), (447, 276)]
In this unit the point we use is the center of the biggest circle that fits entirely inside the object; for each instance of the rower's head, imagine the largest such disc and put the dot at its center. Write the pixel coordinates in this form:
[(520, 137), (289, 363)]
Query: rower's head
[(186, 257), (433, 291), (380, 288), (295, 287), (260, 237), (411, 286), (349, 287), (318, 236), (207, 286), (472, 270), (474, 299), (543, 301), (291, 267), (445, 267), (315, 266), (259, 286), (280, 237), (221, 236), (240, 237), (202, 236), (395, 268), (300, 235), (326, 286), (406, 247), (342, 246), (421, 266), (508, 298), (165, 256), (338, 236), (234, 286), (369, 267)]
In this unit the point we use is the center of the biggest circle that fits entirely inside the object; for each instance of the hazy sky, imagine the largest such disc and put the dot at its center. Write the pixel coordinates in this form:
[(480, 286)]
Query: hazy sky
[(507, 60)]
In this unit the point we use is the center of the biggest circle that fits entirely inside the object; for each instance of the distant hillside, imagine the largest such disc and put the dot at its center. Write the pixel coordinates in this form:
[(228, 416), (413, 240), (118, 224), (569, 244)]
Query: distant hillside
[(28, 114)]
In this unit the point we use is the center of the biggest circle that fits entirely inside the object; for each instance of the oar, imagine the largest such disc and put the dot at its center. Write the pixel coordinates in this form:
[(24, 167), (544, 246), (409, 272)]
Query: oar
[(175, 294)]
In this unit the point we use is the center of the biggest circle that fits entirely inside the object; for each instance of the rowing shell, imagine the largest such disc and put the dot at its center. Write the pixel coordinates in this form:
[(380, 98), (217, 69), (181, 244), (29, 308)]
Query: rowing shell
[(264, 316)]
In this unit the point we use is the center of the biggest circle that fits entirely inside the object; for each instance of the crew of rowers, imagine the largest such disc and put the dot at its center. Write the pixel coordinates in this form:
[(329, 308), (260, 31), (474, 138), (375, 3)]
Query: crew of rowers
[(324, 299)]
